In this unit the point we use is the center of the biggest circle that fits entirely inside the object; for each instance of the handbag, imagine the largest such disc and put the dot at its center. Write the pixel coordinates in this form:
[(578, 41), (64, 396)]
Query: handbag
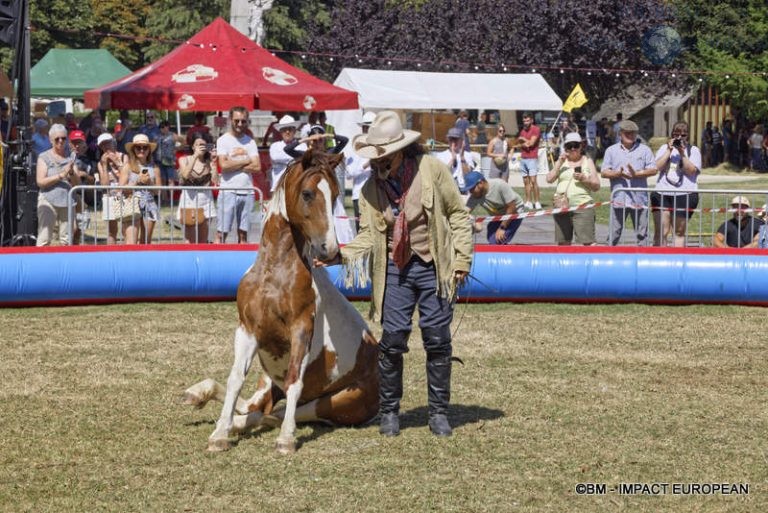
[(560, 199), (125, 206), (192, 216)]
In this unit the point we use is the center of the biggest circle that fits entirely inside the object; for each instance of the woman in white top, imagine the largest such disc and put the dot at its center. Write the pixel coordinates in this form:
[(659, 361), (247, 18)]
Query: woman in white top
[(110, 164), (197, 169)]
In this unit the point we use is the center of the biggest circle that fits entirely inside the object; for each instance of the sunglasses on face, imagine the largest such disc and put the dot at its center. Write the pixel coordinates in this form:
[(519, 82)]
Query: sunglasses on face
[(740, 207), (59, 139), (141, 148), (572, 146), (239, 121)]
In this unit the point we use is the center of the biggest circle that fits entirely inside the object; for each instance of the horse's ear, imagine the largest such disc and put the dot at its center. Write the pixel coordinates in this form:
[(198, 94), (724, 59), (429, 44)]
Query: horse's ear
[(335, 160), (306, 159)]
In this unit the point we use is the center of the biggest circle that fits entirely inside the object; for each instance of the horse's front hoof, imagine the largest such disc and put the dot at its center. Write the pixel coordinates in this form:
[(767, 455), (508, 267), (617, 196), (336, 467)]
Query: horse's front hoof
[(192, 399), (219, 444), (285, 446)]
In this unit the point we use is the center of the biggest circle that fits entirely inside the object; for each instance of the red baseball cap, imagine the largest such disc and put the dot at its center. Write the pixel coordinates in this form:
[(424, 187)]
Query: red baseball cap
[(76, 135)]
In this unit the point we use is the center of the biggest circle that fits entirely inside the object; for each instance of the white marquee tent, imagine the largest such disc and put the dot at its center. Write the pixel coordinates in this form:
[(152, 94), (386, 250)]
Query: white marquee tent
[(423, 91)]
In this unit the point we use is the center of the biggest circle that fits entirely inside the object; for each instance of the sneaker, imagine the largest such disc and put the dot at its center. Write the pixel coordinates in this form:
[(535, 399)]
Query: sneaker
[(528, 205), (538, 206)]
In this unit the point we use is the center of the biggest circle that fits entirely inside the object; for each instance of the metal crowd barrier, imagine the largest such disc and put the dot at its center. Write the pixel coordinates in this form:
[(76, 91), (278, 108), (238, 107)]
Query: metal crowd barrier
[(89, 211), (713, 209)]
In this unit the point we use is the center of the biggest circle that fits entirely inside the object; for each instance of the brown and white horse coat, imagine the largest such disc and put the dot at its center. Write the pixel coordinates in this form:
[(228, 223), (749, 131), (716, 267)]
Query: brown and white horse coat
[(313, 346)]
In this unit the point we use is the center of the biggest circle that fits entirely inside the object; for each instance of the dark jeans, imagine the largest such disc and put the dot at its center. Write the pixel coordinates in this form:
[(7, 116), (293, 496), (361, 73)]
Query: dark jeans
[(415, 285), (508, 233)]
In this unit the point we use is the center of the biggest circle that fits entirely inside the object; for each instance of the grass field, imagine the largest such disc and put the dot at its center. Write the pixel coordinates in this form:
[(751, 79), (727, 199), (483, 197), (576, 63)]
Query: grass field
[(550, 396)]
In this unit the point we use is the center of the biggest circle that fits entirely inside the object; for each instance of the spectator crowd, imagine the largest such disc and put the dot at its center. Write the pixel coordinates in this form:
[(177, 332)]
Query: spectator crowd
[(151, 154)]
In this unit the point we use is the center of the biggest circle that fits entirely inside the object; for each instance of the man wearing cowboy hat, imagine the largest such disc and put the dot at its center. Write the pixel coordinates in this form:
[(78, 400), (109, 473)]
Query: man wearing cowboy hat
[(359, 169), (415, 241), (286, 126), (239, 159)]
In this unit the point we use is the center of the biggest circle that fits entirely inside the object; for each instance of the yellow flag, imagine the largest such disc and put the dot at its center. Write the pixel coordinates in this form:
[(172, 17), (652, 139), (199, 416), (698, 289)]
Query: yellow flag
[(576, 99)]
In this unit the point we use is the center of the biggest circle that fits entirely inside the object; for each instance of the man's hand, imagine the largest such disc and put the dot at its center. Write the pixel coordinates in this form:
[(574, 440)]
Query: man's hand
[(501, 234), (325, 263), (460, 277)]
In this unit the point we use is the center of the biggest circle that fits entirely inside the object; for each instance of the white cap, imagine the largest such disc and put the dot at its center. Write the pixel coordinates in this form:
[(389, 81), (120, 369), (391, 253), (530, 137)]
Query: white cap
[(106, 136)]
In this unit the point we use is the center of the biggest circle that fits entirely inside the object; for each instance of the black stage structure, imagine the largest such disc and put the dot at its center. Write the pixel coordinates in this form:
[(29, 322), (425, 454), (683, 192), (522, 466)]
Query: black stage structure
[(18, 197)]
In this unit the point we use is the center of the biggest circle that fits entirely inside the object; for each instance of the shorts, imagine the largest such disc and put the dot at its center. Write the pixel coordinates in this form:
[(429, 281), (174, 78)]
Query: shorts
[(529, 167), (168, 173), (234, 207), (683, 204)]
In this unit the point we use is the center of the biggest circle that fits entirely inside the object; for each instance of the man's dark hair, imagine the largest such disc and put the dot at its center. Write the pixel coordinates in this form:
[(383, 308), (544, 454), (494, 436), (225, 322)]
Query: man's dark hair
[(240, 109), (164, 123), (527, 115)]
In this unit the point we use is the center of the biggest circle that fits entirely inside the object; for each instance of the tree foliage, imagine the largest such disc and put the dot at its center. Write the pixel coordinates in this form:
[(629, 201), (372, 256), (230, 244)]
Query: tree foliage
[(179, 20), (484, 35), (729, 38), (291, 24)]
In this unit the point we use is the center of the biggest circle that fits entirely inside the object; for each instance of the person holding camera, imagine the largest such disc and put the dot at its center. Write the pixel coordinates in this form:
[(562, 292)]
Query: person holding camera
[(458, 159), (141, 170), (196, 207), (577, 178), (55, 176), (675, 197)]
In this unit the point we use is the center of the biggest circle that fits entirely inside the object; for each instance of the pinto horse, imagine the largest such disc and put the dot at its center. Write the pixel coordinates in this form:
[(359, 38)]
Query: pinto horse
[(315, 349)]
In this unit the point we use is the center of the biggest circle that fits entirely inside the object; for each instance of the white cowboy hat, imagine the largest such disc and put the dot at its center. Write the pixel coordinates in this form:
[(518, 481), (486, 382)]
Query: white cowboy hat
[(385, 136), (287, 122), (140, 139), (368, 118)]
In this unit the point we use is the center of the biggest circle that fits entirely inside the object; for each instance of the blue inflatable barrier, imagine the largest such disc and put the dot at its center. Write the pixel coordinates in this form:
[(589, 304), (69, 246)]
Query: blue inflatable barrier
[(94, 275)]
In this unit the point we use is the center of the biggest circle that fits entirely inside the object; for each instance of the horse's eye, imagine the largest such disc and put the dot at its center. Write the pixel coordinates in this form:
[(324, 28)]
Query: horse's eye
[(307, 195)]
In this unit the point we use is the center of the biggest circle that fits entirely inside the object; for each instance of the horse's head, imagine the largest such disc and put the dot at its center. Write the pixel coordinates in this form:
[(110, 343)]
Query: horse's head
[(310, 189)]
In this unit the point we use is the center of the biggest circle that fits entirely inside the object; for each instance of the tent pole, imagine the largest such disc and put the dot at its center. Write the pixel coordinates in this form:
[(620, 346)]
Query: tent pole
[(178, 122), (432, 115)]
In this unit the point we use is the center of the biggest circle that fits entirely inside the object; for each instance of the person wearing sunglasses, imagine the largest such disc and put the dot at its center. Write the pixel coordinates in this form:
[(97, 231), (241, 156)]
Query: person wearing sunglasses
[(140, 170), (415, 248), (238, 157), (740, 231), (55, 176), (675, 198), (529, 138), (576, 177)]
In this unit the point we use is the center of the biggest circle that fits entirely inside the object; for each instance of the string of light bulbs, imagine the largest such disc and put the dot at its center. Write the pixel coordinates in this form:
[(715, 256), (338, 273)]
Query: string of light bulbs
[(449, 64)]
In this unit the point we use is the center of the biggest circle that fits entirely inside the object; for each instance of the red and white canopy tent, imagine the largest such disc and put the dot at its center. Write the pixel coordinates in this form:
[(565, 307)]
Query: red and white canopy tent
[(216, 69)]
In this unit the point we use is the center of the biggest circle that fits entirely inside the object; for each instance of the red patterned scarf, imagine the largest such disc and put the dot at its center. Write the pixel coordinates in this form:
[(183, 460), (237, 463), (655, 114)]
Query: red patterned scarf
[(401, 239)]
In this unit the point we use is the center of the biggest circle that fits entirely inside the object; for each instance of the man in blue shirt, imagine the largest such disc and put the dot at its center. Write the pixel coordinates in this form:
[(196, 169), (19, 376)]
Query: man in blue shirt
[(628, 164)]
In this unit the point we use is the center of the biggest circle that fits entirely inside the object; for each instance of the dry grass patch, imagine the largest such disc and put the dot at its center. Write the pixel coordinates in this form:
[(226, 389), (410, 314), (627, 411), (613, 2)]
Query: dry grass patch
[(550, 396)]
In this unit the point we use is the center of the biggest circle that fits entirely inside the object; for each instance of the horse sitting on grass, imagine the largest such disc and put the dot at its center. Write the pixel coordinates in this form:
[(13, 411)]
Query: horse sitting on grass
[(315, 349)]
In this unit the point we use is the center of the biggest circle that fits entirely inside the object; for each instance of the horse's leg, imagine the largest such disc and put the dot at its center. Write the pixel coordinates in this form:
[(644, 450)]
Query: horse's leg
[(209, 389), (294, 383), (200, 394), (245, 348)]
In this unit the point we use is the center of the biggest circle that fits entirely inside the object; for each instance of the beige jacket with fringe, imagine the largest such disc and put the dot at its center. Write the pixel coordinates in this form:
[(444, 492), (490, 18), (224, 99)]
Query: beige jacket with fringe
[(450, 235)]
